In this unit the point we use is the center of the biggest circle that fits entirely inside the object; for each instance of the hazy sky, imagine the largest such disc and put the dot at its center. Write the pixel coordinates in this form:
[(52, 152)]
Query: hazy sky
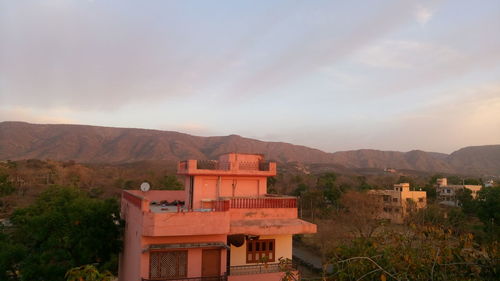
[(334, 75)]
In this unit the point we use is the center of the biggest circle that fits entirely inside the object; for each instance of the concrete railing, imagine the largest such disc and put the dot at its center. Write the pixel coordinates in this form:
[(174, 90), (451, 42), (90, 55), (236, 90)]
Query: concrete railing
[(257, 203)]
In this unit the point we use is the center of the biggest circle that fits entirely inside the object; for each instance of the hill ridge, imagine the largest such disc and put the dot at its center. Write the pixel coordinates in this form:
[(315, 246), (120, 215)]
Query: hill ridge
[(94, 144)]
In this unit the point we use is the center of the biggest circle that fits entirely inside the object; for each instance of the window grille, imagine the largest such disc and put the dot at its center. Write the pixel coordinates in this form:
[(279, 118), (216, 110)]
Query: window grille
[(168, 264)]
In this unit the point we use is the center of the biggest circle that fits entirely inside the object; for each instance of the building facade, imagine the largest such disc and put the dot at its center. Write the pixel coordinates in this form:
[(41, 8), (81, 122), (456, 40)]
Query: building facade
[(222, 226), (399, 202), (447, 194)]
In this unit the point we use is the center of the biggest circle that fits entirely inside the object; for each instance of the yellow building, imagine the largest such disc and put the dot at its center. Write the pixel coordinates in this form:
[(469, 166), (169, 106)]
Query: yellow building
[(400, 201), (447, 194)]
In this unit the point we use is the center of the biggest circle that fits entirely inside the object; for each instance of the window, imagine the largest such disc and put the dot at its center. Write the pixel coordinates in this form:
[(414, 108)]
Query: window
[(421, 199), (169, 264), (387, 198), (258, 250), (394, 199)]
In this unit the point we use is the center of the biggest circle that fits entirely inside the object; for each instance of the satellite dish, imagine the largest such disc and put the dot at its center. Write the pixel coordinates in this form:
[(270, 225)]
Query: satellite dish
[(237, 240), (145, 186)]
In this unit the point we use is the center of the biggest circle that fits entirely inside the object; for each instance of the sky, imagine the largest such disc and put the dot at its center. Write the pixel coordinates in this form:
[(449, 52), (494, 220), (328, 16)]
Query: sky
[(333, 75)]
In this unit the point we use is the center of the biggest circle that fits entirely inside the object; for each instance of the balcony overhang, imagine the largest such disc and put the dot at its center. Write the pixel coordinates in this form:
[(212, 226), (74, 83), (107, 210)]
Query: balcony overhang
[(272, 227), (153, 247), (185, 223)]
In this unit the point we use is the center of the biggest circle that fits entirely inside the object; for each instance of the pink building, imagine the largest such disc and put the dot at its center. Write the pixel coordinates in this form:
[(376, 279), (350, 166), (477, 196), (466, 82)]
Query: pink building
[(223, 226)]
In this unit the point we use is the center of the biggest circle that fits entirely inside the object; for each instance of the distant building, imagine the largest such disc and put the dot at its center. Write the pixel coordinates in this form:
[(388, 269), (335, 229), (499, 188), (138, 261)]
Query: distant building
[(489, 183), (400, 201), (447, 194), (223, 226), (390, 170)]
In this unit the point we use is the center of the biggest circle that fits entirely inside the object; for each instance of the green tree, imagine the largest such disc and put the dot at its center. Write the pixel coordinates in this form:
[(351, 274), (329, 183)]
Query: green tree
[(455, 180), (11, 256), (464, 196), (488, 209), (301, 188), (431, 193), (65, 228), (88, 273), (170, 182), (6, 187), (331, 191), (271, 185), (473, 181), (433, 179), (363, 185)]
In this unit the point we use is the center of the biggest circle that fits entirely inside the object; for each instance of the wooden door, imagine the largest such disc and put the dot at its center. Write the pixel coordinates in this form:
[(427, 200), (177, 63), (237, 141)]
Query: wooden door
[(210, 263)]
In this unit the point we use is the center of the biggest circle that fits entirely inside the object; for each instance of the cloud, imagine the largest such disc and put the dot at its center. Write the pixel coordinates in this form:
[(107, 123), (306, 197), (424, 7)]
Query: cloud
[(459, 117), (196, 129), (454, 122), (321, 44), (398, 67), (423, 14), (92, 56), (401, 54), (25, 114)]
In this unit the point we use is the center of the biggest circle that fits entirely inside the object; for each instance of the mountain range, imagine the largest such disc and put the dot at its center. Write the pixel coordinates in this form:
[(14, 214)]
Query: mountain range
[(94, 144)]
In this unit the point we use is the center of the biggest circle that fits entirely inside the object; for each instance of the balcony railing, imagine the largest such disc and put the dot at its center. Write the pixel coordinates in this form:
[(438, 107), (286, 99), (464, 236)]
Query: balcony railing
[(210, 278), (258, 269), (213, 165), (254, 203), (221, 205), (225, 165), (224, 205)]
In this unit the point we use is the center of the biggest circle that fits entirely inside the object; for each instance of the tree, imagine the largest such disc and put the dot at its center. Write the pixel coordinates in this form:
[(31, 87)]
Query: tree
[(170, 182), (301, 188), (6, 187), (285, 266), (363, 185), (11, 256), (431, 193), (331, 191), (423, 252), (88, 273), (360, 213), (464, 197), (272, 184), (488, 209), (65, 228)]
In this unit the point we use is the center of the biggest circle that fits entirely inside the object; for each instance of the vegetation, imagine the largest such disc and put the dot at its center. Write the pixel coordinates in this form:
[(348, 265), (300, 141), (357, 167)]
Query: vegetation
[(6, 187), (420, 253), (88, 273), (170, 182), (70, 230), (436, 243), (64, 228)]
